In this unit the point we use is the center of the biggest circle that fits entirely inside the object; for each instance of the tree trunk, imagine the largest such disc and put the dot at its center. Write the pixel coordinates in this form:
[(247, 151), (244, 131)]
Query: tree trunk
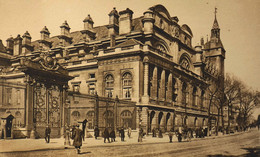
[(223, 124), (217, 123)]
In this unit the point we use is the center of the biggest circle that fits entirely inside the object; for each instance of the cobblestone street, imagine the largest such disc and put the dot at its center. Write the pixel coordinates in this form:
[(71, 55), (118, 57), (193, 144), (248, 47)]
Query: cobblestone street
[(238, 144)]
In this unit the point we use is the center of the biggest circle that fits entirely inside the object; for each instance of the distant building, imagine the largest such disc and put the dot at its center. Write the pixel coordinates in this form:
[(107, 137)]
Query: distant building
[(141, 72)]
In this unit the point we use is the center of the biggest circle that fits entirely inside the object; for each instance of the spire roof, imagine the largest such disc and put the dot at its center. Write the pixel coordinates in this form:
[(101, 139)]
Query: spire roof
[(215, 24)]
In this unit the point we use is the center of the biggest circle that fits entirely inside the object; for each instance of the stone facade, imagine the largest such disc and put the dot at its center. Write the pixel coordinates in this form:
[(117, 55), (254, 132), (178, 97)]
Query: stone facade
[(141, 72)]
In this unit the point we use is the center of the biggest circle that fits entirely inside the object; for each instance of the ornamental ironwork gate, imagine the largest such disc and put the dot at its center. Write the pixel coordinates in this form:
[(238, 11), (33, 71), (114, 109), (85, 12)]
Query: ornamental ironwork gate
[(47, 102)]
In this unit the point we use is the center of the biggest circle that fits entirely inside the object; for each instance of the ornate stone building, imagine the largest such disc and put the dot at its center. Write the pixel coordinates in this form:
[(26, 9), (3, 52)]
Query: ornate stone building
[(133, 72)]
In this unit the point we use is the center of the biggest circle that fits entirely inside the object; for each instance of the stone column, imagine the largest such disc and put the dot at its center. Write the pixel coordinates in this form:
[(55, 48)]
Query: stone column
[(162, 86), (179, 91), (169, 91), (155, 120), (29, 105), (154, 84), (145, 98)]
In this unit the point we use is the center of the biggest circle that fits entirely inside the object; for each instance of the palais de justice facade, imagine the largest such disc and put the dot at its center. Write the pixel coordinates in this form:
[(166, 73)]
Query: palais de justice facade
[(132, 72)]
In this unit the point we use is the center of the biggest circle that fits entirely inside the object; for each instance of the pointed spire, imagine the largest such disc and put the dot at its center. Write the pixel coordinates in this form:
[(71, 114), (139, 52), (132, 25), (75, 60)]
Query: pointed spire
[(215, 24)]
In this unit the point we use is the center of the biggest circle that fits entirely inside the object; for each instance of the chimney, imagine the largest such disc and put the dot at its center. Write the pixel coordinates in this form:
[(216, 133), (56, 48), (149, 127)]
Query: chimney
[(113, 23), (125, 21), (10, 45), (65, 40), (148, 22), (202, 41), (17, 45), (88, 32), (88, 23), (26, 43), (65, 28), (45, 35)]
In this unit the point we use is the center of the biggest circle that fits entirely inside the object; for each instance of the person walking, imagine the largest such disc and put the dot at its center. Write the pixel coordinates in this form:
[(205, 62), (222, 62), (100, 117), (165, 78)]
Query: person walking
[(96, 132), (47, 134), (112, 135), (154, 132), (140, 135), (171, 134), (67, 136), (122, 134), (77, 136), (106, 135), (129, 131)]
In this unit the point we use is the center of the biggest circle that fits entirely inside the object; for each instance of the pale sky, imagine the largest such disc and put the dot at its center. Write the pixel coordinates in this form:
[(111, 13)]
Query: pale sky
[(239, 21)]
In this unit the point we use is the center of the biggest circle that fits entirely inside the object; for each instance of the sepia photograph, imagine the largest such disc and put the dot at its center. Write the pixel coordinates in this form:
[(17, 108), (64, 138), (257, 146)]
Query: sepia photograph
[(129, 78)]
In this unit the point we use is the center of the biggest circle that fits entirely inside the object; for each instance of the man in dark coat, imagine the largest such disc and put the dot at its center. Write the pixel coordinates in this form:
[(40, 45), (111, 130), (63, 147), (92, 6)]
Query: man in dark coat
[(96, 132), (154, 132), (47, 134), (77, 136), (84, 128), (112, 135), (171, 134), (106, 135), (122, 134)]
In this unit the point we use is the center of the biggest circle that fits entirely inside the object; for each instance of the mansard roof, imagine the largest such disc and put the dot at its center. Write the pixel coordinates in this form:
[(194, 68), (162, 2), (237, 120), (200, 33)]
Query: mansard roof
[(101, 33), (129, 42)]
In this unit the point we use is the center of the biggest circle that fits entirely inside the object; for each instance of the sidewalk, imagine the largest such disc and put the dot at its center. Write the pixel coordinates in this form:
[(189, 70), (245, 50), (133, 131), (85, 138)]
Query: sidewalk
[(21, 145)]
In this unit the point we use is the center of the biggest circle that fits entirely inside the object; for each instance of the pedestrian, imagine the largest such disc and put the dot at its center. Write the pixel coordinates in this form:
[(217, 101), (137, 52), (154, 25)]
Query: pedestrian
[(189, 134), (140, 135), (112, 135), (84, 128), (129, 131), (171, 134), (47, 134), (179, 134), (67, 136), (96, 132), (122, 134), (154, 132), (77, 136), (160, 133), (106, 135)]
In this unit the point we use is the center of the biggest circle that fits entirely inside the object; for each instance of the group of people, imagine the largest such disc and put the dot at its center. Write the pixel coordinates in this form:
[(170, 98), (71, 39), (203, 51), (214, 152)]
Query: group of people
[(110, 133), (74, 133)]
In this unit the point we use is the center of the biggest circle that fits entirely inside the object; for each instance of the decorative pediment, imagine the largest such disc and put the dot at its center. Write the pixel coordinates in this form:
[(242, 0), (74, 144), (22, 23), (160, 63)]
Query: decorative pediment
[(160, 9)]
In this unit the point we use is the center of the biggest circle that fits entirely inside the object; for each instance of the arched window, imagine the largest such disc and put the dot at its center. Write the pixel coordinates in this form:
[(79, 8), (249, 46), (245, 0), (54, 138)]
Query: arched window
[(126, 119), (108, 118), (75, 115), (127, 85), (185, 63), (90, 117), (109, 85), (194, 95)]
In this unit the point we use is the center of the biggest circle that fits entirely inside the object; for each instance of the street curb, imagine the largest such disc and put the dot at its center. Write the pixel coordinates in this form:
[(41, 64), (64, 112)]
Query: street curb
[(119, 144)]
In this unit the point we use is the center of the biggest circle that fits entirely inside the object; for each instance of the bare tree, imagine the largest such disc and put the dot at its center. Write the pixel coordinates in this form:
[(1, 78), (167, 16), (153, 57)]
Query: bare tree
[(248, 99)]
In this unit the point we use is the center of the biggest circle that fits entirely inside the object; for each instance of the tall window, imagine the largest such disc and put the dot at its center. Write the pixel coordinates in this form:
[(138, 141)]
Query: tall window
[(90, 117), (184, 93), (18, 96), (127, 85), (194, 95), (109, 83), (202, 98), (9, 96), (92, 88)]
